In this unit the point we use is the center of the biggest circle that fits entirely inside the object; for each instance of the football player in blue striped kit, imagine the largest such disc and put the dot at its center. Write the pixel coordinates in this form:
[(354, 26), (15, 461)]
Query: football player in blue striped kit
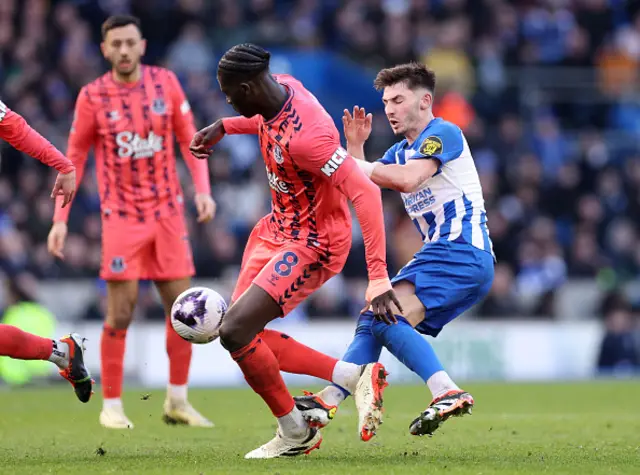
[(434, 171)]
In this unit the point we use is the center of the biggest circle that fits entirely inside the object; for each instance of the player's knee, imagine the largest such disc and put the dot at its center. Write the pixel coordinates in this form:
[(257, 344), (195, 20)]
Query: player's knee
[(379, 328), (234, 335), (120, 315), (119, 321), (230, 338), (246, 318), (364, 324)]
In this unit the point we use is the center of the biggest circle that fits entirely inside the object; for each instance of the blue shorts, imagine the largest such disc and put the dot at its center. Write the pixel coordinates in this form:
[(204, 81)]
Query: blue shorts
[(449, 278)]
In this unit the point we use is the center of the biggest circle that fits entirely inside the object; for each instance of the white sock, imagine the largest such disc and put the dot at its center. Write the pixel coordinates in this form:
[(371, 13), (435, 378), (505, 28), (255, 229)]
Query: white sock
[(293, 424), (332, 395), (177, 393), (113, 403), (346, 375), (440, 383), (60, 354)]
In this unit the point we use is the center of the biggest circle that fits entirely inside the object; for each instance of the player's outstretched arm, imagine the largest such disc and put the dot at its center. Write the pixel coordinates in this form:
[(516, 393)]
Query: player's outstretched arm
[(206, 138), (15, 130), (367, 203), (324, 157), (403, 178)]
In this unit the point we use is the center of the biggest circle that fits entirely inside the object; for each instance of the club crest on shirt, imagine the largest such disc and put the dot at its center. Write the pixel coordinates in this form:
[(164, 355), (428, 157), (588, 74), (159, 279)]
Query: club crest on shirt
[(431, 146), (118, 265), (159, 107), (277, 155)]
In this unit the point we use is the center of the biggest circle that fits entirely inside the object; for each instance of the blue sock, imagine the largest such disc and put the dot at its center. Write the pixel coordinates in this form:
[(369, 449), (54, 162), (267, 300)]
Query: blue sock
[(364, 348), (409, 346)]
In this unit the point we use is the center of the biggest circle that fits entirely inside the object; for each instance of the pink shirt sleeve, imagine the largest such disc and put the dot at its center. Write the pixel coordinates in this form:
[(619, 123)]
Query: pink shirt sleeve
[(367, 203), (15, 130), (241, 125), (185, 129), (322, 155)]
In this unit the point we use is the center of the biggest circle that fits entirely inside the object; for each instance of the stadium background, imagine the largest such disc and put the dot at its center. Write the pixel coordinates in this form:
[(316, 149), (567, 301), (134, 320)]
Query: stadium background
[(546, 92)]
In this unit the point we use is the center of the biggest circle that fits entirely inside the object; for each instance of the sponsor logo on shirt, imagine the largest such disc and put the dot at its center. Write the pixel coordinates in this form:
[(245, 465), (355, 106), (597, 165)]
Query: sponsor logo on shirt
[(334, 162), (136, 147), (276, 183), (419, 201)]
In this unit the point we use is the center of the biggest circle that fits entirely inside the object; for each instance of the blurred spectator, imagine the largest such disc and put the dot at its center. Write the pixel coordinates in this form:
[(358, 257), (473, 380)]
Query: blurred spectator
[(190, 52), (97, 308), (620, 347), (502, 301)]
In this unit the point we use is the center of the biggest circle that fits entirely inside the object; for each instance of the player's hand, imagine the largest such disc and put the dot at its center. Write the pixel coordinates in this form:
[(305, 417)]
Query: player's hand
[(206, 207), (379, 297), (206, 138), (65, 186), (56, 239), (357, 127)]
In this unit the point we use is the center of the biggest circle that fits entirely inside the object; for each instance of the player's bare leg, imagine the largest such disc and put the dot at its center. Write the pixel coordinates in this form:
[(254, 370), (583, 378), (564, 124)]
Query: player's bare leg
[(67, 354), (121, 301), (241, 333), (177, 409)]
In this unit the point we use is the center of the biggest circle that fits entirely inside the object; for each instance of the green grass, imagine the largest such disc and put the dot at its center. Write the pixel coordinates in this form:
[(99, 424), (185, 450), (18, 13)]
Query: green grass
[(523, 429)]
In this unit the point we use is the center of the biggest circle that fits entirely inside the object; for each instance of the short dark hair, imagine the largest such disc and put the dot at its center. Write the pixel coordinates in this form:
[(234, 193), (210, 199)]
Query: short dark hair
[(245, 60), (118, 21), (414, 75)]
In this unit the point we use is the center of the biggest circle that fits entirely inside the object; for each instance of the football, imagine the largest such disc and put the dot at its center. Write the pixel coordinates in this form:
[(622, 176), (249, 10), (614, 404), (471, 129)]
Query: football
[(197, 314)]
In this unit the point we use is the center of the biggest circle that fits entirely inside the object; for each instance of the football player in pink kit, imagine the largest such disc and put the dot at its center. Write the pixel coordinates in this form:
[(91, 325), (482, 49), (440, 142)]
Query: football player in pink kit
[(302, 243), (130, 116), (68, 352)]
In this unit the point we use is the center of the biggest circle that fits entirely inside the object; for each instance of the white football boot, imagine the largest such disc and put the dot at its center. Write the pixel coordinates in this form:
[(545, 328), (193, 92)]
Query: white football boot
[(314, 410), (455, 403), (178, 411), (368, 399), (281, 446), (113, 417)]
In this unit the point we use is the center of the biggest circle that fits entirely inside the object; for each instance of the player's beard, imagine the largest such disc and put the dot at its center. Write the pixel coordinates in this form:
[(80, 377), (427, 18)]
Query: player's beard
[(403, 127), (125, 71), (411, 122), (400, 132)]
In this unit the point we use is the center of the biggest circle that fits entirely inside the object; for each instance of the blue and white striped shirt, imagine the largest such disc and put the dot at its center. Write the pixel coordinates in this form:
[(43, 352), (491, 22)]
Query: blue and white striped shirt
[(449, 206)]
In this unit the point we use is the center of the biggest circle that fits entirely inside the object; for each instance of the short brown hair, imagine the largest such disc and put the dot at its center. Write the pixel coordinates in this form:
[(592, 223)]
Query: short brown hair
[(414, 75), (118, 21)]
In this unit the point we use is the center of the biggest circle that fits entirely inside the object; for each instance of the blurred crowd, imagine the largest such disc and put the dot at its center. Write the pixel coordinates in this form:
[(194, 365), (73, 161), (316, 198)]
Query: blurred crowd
[(555, 146)]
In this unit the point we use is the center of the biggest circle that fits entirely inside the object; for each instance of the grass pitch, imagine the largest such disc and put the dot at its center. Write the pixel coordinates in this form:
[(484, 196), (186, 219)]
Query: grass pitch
[(515, 429)]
